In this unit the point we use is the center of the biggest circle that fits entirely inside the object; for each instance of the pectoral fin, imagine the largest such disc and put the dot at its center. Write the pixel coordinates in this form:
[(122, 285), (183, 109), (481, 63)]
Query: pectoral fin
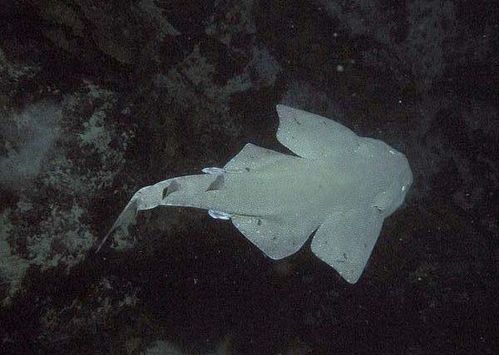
[(346, 239), (312, 136)]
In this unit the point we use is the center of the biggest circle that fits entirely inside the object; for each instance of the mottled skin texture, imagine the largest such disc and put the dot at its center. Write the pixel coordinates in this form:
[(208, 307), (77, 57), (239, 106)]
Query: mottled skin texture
[(179, 85), (343, 185)]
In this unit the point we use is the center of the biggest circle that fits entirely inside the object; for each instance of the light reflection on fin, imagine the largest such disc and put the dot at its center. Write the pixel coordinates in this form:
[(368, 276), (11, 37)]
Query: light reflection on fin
[(213, 171), (219, 215)]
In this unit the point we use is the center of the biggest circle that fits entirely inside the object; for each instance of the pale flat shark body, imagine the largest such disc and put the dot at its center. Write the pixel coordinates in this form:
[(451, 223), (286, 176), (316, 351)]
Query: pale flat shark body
[(339, 185)]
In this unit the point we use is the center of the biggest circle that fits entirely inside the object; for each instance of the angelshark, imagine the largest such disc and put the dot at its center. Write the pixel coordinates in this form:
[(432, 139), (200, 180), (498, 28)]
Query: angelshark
[(339, 185)]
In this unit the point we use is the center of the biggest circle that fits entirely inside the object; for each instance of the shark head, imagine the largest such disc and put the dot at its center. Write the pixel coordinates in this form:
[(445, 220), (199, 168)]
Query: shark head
[(393, 175)]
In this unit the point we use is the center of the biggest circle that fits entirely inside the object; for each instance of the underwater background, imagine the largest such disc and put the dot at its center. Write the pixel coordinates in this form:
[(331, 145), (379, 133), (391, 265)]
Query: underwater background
[(99, 98)]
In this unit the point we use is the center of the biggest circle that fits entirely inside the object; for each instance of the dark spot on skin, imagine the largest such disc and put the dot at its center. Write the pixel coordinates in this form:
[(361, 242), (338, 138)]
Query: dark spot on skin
[(247, 169), (345, 256), (324, 123), (174, 186), (297, 122), (259, 222)]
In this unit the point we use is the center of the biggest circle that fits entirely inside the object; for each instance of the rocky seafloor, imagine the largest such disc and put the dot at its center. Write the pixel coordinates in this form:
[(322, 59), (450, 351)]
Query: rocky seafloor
[(99, 98)]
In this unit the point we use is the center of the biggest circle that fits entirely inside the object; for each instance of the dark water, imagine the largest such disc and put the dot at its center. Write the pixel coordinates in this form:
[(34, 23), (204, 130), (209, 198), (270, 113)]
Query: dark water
[(98, 99)]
